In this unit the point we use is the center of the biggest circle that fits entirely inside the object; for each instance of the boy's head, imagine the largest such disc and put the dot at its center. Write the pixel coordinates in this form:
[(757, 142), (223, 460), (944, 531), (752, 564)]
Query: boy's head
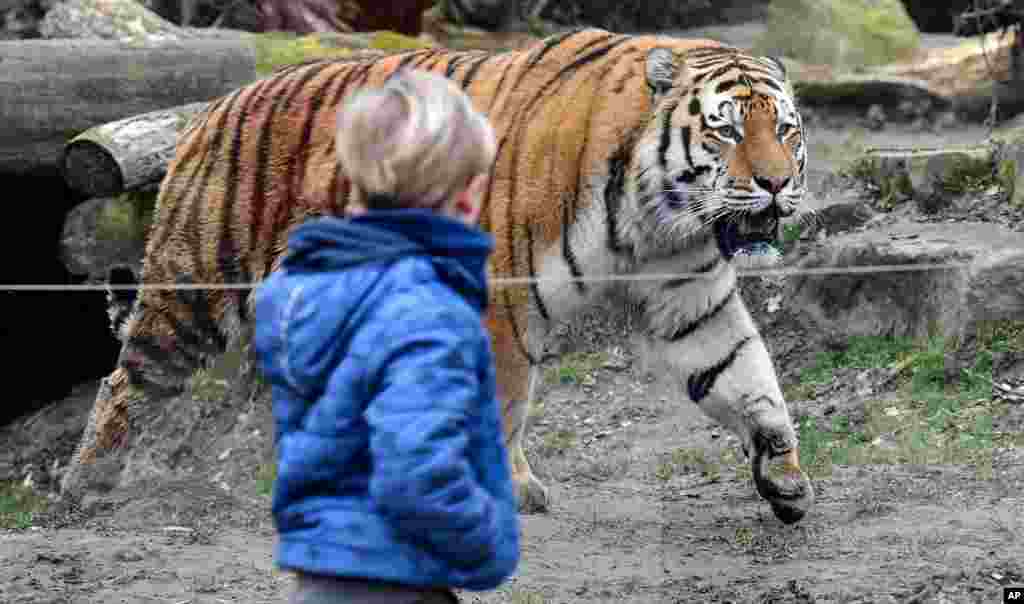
[(415, 141)]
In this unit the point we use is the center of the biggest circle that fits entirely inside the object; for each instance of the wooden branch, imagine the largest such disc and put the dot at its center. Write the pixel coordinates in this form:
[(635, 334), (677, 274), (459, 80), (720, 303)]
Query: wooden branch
[(127, 154), (53, 90)]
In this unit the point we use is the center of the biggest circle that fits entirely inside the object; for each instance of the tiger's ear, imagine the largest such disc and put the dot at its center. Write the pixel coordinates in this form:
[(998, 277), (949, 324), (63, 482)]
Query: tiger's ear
[(661, 71)]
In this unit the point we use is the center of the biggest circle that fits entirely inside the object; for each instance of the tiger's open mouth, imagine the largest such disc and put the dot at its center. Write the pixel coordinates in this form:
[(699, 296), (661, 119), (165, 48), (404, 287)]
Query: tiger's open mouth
[(746, 233)]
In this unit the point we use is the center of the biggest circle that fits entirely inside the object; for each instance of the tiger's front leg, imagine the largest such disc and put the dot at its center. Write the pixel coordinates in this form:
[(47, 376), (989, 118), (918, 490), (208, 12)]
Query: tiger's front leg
[(517, 382)]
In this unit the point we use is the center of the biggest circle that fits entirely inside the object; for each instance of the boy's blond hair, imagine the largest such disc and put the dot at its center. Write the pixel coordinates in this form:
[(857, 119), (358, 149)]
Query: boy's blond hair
[(415, 141)]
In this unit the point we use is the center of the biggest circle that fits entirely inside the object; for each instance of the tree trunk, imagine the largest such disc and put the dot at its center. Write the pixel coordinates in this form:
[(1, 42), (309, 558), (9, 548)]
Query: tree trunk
[(127, 154), (53, 90)]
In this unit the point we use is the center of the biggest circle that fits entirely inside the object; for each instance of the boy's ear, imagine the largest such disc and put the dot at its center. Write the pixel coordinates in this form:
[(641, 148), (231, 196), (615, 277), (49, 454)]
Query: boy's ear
[(469, 201)]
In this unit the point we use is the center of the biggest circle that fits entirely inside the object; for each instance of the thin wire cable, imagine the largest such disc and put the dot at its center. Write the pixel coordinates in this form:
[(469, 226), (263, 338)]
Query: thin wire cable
[(498, 283)]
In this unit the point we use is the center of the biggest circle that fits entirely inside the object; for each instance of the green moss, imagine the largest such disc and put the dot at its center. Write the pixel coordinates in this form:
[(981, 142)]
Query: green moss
[(127, 217), (18, 506), (393, 42), (277, 49), (968, 174), (848, 33)]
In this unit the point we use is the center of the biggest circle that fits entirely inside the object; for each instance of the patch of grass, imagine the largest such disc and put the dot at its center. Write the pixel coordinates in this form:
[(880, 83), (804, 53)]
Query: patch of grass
[(688, 460), (266, 474), (19, 505), (574, 367), (968, 175), (207, 386), (557, 442), (860, 168), (861, 352), (523, 596), (930, 420)]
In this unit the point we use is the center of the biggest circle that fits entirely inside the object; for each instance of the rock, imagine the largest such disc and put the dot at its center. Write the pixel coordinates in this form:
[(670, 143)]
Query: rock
[(104, 233), (829, 88), (1008, 155), (842, 217), (643, 15), (922, 173), (976, 278), (847, 33)]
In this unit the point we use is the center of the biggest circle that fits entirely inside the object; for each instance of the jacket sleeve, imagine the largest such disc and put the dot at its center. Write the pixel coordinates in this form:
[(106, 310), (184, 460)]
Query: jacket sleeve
[(422, 480)]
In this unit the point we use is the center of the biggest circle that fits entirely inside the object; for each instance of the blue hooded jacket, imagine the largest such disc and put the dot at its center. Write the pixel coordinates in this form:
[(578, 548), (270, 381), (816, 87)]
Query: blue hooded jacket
[(391, 460)]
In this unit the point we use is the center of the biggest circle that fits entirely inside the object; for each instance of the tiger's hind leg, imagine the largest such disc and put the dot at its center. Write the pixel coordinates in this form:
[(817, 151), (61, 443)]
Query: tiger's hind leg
[(517, 383)]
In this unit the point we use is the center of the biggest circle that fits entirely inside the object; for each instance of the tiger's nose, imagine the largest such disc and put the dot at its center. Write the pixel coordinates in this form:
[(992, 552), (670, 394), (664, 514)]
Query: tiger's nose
[(771, 184)]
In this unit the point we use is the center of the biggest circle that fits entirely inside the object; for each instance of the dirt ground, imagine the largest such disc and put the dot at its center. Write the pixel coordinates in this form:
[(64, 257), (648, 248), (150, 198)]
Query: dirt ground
[(628, 524)]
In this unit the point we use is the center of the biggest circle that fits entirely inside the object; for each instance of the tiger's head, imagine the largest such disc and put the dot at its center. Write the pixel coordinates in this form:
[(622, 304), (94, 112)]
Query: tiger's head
[(723, 153)]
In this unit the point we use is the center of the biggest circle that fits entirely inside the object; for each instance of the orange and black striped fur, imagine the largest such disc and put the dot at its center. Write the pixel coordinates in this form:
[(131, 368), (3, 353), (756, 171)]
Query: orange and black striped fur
[(617, 155)]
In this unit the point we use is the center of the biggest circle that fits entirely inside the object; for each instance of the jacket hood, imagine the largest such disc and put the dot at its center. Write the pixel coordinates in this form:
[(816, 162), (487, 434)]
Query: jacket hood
[(458, 252)]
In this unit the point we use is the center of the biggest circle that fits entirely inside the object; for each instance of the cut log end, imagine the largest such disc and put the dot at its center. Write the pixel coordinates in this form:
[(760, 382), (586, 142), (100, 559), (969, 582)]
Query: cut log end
[(91, 170)]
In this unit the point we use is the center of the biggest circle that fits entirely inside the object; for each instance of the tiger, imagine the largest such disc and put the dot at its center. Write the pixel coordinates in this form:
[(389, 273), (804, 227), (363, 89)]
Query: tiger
[(619, 156)]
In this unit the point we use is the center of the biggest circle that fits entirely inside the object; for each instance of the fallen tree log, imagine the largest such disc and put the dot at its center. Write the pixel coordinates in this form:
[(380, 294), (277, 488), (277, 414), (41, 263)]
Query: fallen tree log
[(127, 154), (53, 90)]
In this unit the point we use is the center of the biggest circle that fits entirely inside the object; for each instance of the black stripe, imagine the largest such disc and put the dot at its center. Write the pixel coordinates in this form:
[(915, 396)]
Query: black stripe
[(205, 328), (769, 83), (527, 110), (283, 100), (666, 139), (501, 84), (726, 85), (534, 287), (583, 145), (467, 78), (334, 101), (453, 63), (551, 42), (261, 182), (724, 69), (686, 136), (699, 384), (434, 61), (568, 254), (688, 328), (708, 63), (430, 54), (704, 268), (228, 257), (202, 314), (193, 235), (168, 225), (618, 163), (301, 154), (411, 56), (515, 328)]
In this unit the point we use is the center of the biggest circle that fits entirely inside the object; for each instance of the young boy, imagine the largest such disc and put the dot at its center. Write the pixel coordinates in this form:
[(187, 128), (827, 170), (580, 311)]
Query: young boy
[(393, 482)]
